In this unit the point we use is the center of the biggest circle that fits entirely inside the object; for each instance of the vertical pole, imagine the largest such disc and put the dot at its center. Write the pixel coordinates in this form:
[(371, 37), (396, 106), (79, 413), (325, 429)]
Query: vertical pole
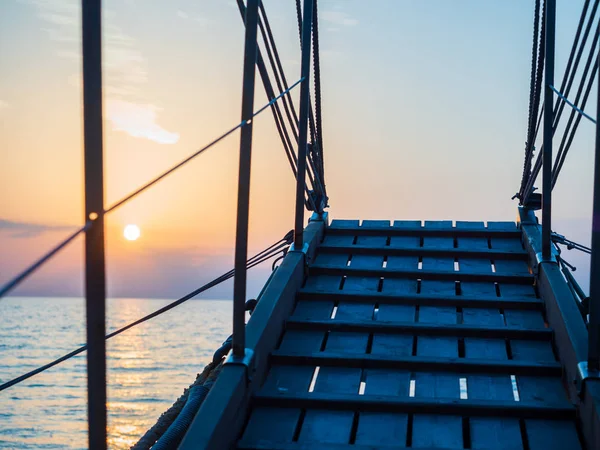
[(95, 284), (243, 201), (303, 125), (594, 319), (548, 119)]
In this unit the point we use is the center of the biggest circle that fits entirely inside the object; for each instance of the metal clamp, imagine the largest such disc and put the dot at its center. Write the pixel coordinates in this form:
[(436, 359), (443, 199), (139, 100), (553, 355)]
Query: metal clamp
[(322, 217), (539, 259), (294, 250), (247, 360), (584, 374)]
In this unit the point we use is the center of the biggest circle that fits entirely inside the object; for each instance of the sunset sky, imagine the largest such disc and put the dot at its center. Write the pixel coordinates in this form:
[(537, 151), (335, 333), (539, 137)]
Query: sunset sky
[(424, 116)]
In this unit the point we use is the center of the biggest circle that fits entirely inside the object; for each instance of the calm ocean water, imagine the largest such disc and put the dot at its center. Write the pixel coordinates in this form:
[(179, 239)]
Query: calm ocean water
[(148, 367)]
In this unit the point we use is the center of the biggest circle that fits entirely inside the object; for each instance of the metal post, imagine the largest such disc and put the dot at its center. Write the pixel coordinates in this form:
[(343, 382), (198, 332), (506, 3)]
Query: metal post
[(303, 125), (594, 318), (243, 201), (95, 281), (548, 119)]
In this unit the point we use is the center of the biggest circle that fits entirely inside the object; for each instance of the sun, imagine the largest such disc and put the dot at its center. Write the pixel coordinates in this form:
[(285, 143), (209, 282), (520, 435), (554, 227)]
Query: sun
[(131, 232)]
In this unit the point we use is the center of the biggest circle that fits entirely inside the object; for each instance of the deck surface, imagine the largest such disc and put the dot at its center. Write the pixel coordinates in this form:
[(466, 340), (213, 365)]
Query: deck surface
[(411, 336)]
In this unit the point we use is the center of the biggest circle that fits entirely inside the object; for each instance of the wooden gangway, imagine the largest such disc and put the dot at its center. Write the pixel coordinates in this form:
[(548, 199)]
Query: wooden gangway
[(404, 335)]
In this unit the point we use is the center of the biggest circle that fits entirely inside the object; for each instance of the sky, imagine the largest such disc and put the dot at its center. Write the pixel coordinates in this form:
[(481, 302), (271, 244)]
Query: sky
[(424, 117)]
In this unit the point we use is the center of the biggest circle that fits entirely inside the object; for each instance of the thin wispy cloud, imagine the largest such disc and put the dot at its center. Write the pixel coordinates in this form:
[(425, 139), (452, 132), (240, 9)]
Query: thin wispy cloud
[(124, 69), (29, 229), (339, 18), (192, 17)]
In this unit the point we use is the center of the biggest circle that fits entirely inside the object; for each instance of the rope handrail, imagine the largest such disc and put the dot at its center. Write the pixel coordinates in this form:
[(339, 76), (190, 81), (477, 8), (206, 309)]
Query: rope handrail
[(264, 255), (573, 62), (18, 279)]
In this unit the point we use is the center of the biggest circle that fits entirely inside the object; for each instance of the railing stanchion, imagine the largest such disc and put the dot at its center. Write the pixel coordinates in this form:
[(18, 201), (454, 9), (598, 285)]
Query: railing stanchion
[(95, 277), (548, 119), (243, 199), (594, 303), (303, 125)]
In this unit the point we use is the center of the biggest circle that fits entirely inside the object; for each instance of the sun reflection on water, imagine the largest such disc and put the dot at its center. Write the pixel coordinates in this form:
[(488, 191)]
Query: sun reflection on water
[(147, 367)]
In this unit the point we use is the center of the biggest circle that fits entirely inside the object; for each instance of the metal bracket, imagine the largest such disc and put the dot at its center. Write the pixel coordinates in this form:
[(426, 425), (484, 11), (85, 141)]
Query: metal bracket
[(247, 361), (539, 259), (316, 217), (294, 250), (583, 374)]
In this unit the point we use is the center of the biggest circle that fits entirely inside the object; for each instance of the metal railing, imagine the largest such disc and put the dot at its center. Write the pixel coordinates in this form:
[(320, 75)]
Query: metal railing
[(307, 161)]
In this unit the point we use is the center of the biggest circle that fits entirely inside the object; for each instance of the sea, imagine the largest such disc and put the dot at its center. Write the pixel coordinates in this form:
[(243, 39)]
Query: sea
[(148, 366)]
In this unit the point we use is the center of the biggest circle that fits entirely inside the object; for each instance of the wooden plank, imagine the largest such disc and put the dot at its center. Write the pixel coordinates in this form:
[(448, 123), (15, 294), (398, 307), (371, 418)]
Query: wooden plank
[(381, 429), (489, 387), (410, 246), (395, 287), (511, 266), (270, 445), (390, 295), (479, 347), (316, 310), (438, 314), (541, 389), (532, 350), (323, 282), (511, 290), (428, 231), (437, 385), (422, 329), (471, 242), (260, 426), (419, 363), (525, 319), (481, 316), (289, 378), (338, 380), (301, 341), (438, 241), (552, 435), (332, 259), (491, 433), (347, 342), (381, 227), (332, 240), (367, 261), (396, 313), (393, 345), (344, 223), (437, 431), (494, 349), (377, 224), (387, 382), (352, 311), (425, 274), (326, 427), (502, 225), (388, 403), (403, 262)]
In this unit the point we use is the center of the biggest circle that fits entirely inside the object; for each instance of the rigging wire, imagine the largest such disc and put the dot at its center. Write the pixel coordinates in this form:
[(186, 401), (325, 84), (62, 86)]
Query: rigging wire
[(280, 246)]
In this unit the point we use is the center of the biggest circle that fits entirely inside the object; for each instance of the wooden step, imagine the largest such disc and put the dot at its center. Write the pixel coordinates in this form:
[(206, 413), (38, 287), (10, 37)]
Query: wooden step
[(421, 329), (515, 278), (384, 403), (422, 299), (423, 251), (442, 231), (418, 363)]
